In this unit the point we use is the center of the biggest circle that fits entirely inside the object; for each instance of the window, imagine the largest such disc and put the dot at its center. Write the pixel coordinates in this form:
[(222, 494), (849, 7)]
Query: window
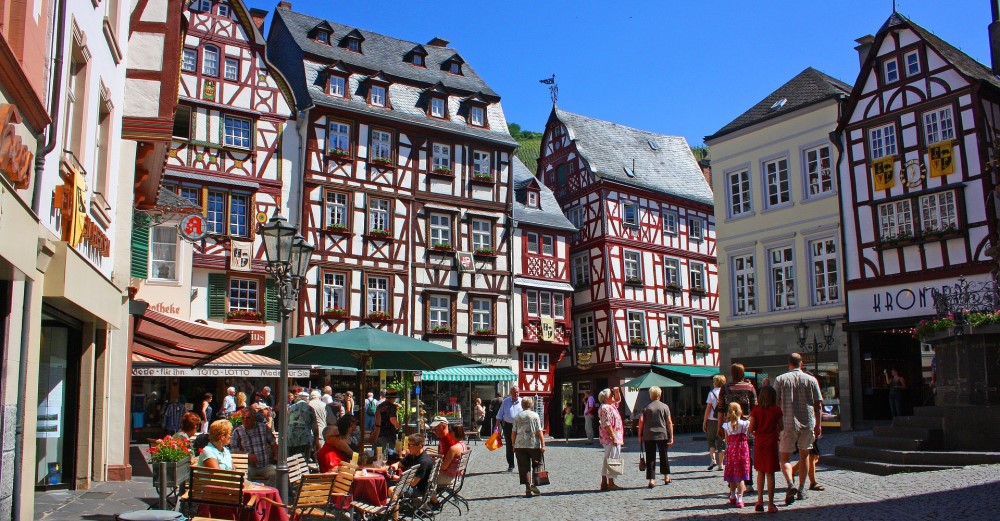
[(323, 36), (482, 235), (558, 305), (585, 331), (239, 214), (938, 126), (895, 220), (455, 68), (532, 242), (163, 253), (243, 295), (232, 70), (581, 270), (381, 145), (378, 295), (818, 175), (531, 301), (440, 234), (418, 60), (442, 157), (547, 245), (224, 11), (543, 362), (576, 216), (675, 328), (334, 292), (669, 222), (631, 214), (482, 315), (476, 116), (562, 175), (696, 229), (378, 215), (216, 206), (671, 270), (890, 71), (633, 266), (545, 303), (76, 102), (699, 327), (882, 141), (182, 122), (378, 95), (532, 199), (825, 274), (437, 107), (696, 275), (210, 61), (223, 207), (203, 5), (778, 187), (912, 60), (353, 45), (192, 194), (237, 132), (636, 323), (102, 144), (740, 201), (189, 60), (528, 361), (480, 163), (744, 285), (439, 311), (338, 86), (339, 137), (782, 278), (336, 209), (937, 212)]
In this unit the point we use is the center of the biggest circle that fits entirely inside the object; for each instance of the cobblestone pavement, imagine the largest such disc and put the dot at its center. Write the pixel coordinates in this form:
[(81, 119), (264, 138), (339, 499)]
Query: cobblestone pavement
[(969, 493)]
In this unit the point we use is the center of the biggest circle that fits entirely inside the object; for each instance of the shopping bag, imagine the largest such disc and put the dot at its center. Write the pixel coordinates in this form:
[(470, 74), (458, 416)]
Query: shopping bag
[(542, 477), (495, 441), (642, 463), (616, 466)]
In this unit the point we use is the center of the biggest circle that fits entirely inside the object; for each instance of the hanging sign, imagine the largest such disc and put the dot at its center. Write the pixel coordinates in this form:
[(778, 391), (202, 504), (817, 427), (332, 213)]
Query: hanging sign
[(240, 256), (585, 358), (417, 377), (465, 262), (883, 173), (193, 227), (942, 160), (16, 159), (547, 330), (70, 199)]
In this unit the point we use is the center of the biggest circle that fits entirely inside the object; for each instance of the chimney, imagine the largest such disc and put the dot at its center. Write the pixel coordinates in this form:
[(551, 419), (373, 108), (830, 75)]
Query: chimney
[(994, 30), (285, 5), (864, 46), (258, 16)]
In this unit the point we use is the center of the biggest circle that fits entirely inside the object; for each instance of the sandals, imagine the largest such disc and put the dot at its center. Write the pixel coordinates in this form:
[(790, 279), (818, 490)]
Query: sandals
[(816, 486)]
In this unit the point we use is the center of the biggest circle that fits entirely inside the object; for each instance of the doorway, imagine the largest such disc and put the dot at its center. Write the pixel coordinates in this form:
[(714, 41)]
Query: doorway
[(58, 405), (881, 352)]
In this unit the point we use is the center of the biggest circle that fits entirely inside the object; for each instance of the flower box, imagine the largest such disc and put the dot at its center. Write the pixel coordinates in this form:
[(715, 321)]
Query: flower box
[(441, 330), (442, 172), (380, 234), (442, 246), (339, 153), (675, 344), (335, 313), (178, 472), (484, 252), (699, 292), (381, 161), (336, 228), (489, 331), (170, 456), (633, 282), (673, 287), (701, 346), (637, 342), (246, 316), (486, 179), (379, 315)]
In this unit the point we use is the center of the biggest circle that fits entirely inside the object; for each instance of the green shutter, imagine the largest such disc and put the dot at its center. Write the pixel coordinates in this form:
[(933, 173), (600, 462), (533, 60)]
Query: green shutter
[(271, 307), (217, 289), (140, 250)]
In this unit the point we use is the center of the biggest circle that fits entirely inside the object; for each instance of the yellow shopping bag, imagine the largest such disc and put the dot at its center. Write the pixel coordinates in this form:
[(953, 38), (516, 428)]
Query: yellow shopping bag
[(495, 441)]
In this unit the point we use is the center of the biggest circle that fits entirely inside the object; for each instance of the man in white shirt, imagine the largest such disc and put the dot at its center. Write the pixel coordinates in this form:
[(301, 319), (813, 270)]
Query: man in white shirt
[(319, 408), (509, 410), (229, 402), (328, 395)]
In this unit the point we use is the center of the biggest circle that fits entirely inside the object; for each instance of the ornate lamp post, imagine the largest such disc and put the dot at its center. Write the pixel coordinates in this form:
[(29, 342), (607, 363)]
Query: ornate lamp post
[(815, 346), (287, 260)]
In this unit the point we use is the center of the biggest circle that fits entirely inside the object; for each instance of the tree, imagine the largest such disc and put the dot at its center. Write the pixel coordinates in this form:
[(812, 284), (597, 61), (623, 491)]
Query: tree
[(514, 129)]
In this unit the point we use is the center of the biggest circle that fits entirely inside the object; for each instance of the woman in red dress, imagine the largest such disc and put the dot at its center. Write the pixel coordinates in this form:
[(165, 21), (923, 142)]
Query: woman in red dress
[(765, 425)]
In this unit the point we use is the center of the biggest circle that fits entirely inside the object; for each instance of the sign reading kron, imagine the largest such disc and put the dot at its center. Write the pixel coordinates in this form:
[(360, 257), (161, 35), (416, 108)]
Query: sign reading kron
[(16, 159)]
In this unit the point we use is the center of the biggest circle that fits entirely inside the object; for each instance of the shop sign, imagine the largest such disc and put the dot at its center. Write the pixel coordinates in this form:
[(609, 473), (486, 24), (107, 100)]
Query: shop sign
[(899, 300), (70, 199), (498, 361), (417, 377), (256, 336), (193, 228), (16, 158), (548, 329), (219, 372), (239, 256), (165, 307), (585, 358), (465, 263)]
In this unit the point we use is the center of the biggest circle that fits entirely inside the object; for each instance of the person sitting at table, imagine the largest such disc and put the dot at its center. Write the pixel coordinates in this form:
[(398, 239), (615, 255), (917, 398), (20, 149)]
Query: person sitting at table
[(216, 454), (258, 442), (190, 425), (327, 456), (451, 446), (415, 455), (346, 438)]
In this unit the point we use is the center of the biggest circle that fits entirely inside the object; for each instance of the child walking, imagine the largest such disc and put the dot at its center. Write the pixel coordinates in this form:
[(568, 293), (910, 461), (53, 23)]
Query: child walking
[(737, 453), (765, 425), (567, 414)]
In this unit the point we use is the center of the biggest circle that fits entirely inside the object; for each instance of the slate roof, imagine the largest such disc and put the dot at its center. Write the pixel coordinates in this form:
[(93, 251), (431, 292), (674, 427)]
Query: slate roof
[(963, 62), (609, 148), (548, 214), (807, 88)]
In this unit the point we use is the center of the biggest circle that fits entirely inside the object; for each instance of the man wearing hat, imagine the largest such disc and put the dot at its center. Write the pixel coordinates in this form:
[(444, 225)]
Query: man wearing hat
[(386, 421), (449, 448), (301, 421)]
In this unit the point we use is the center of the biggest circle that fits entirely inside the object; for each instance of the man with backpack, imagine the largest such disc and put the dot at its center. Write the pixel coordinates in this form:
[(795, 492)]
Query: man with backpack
[(371, 405)]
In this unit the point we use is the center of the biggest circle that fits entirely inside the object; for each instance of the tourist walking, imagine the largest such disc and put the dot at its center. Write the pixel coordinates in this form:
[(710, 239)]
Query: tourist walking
[(656, 434), (301, 422), (371, 404), (229, 403), (567, 416), (478, 415), (612, 437), (710, 425), (737, 453), (529, 445), (510, 407), (386, 421), (319, 417), (349, 403), (765, 426), (206, 412), (896, 385), (493, 413), (741, 391), (589, 410), (801, 405)]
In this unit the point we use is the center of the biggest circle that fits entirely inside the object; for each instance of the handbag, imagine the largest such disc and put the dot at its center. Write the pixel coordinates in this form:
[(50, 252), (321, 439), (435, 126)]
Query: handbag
[(642, 463), (542, 476), (616, 466), (495, 441)]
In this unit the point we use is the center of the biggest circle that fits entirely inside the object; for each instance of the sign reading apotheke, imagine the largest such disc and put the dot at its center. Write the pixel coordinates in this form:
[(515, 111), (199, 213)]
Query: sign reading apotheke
[(224, 372), (900, 300)]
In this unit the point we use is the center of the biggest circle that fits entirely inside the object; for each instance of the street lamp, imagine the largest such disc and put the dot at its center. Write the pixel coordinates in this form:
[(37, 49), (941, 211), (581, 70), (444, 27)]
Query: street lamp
[(288, 257), (815, 346)]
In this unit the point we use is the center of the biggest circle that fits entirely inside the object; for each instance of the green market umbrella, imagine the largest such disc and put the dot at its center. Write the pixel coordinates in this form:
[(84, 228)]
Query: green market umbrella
[(651, 379)]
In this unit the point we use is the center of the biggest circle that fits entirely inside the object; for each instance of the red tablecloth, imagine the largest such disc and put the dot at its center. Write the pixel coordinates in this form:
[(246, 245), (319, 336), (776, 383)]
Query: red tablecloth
[(371, 489), (260, 511)]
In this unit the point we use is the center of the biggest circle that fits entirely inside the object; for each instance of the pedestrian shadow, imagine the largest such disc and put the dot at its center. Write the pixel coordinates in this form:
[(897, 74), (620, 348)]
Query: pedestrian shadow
[(468, 474), (544, 494)]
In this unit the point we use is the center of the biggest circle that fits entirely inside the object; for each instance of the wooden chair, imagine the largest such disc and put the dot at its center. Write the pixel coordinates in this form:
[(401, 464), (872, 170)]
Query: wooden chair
[(311, 497), (241, 462), (422, 508), (367, 512), (340, 498), (450, 494), (296, 468), (216, 488)]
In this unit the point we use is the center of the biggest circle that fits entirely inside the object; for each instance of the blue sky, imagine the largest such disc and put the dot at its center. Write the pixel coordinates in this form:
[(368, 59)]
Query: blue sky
[(672, 67)]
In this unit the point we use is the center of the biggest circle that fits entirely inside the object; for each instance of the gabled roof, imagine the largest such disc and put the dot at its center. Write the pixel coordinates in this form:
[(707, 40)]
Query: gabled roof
[(455, 58), (419, 49), (805, 89), (548, 214), (438, 88), (609, 149), (247, 23), (379, 77), (339, 67), (322, 26), (477, 98), (353, 35)]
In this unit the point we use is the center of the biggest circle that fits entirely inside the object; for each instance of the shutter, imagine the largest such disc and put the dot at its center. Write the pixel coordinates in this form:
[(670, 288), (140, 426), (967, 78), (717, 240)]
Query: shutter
[(140, 250), (217, 289), (272, 311)]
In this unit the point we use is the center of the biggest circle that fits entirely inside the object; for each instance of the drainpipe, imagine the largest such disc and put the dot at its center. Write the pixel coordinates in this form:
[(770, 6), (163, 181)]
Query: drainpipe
[(57, 69), (837, 138)]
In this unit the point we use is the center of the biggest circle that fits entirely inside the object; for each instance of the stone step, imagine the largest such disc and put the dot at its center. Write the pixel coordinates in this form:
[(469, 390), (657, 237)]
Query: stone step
[(905, 457), (892, 431), (878, 468), (885, 442), (925, 422)]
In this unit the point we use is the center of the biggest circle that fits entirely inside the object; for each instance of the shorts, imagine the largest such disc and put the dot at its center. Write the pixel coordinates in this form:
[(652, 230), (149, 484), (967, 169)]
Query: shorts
[(712, 432), (814, 451), (801, 439)]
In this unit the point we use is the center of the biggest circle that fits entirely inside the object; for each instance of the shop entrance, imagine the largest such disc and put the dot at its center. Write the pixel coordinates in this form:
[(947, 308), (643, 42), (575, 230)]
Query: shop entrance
[(58, 404), (880, 353)]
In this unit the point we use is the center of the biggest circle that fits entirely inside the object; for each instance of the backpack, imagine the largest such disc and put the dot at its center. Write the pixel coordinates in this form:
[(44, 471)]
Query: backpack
[(370, 407)]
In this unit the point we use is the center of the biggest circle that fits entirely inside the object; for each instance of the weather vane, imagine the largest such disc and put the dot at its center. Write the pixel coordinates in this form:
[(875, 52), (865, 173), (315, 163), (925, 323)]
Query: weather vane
[(553, 88)]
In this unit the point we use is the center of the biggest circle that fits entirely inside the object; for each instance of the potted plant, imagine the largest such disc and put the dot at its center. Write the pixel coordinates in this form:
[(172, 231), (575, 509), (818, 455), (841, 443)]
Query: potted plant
[(442, 246), (698, 290), (381, 161), (339, 152), (378, 315), (675, 343), (249, 316), (637, 342), (441, 330), (633, 281), (702, 346), (483, 251), (379, 232), (173, 455), (487, 178), (673, 287), (336, 227), (443, 170), (485, 331), (336, 312)]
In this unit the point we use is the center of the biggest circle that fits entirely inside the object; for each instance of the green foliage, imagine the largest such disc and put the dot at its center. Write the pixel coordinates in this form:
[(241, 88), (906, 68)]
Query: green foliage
[(700, 152), (926, 328), (514, 129)]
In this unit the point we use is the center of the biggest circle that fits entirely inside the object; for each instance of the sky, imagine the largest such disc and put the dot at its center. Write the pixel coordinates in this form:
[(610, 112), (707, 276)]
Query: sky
[(672, 67)]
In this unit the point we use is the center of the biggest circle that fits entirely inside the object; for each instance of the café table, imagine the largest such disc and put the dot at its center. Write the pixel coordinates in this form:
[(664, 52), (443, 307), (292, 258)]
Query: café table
[(370, 487), (260, 511)]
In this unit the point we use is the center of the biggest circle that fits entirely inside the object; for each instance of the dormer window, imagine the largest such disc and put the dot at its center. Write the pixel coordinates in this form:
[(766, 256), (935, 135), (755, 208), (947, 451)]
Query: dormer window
[(418, 60), (476, 116), (323, 37), (438, 107), (354, 45), (377, 97), (337, 86), (224, 11), (455, 68), (532, 199)]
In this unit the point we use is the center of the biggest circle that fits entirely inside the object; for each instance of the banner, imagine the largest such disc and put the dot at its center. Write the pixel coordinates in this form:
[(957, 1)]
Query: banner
[(942, 160), (548, 329), (884, 173), (239, 255)]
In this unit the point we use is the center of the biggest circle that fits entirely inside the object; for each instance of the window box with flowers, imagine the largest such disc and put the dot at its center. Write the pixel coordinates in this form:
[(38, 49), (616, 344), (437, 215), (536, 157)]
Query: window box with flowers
[(699, 291), (442, 246), (702, 346), (441, 331), (632, 281), (934, 234), (636, 342), (673, 287), (485, 179), (484, 252), (339, 154), (244, 316), (175, 455), (901, 239), (381, 162), (379, 316), (442, 171), (337, 229), (675, 344), (946, 325), (379, 234), (335, 313), (485, 331)]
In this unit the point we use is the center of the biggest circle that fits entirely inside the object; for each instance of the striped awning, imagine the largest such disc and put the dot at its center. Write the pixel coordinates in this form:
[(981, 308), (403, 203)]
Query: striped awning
[(179, 342), (690, 371), (234, 358), (470, 374)]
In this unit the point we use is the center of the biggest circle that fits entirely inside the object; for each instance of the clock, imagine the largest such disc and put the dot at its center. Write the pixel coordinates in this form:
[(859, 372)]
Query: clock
[(913, 173)]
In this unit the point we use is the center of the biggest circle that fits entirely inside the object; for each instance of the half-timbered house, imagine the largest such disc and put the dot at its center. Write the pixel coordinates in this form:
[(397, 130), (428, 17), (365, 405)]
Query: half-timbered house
[(406, 167), (643, 261), (542, 291), (915, 191)]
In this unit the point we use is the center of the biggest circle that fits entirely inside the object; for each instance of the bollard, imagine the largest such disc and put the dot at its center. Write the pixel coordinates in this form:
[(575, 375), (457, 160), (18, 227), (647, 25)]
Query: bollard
[(163, 486)]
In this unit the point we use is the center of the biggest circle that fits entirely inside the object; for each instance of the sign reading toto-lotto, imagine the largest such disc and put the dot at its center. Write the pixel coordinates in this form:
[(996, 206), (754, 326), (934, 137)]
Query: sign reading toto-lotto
[(224, 372)]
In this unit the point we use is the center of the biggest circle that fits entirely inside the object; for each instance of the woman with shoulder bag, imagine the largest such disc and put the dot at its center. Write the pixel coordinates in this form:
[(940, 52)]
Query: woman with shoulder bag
[(656, 434), (612, 438)]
